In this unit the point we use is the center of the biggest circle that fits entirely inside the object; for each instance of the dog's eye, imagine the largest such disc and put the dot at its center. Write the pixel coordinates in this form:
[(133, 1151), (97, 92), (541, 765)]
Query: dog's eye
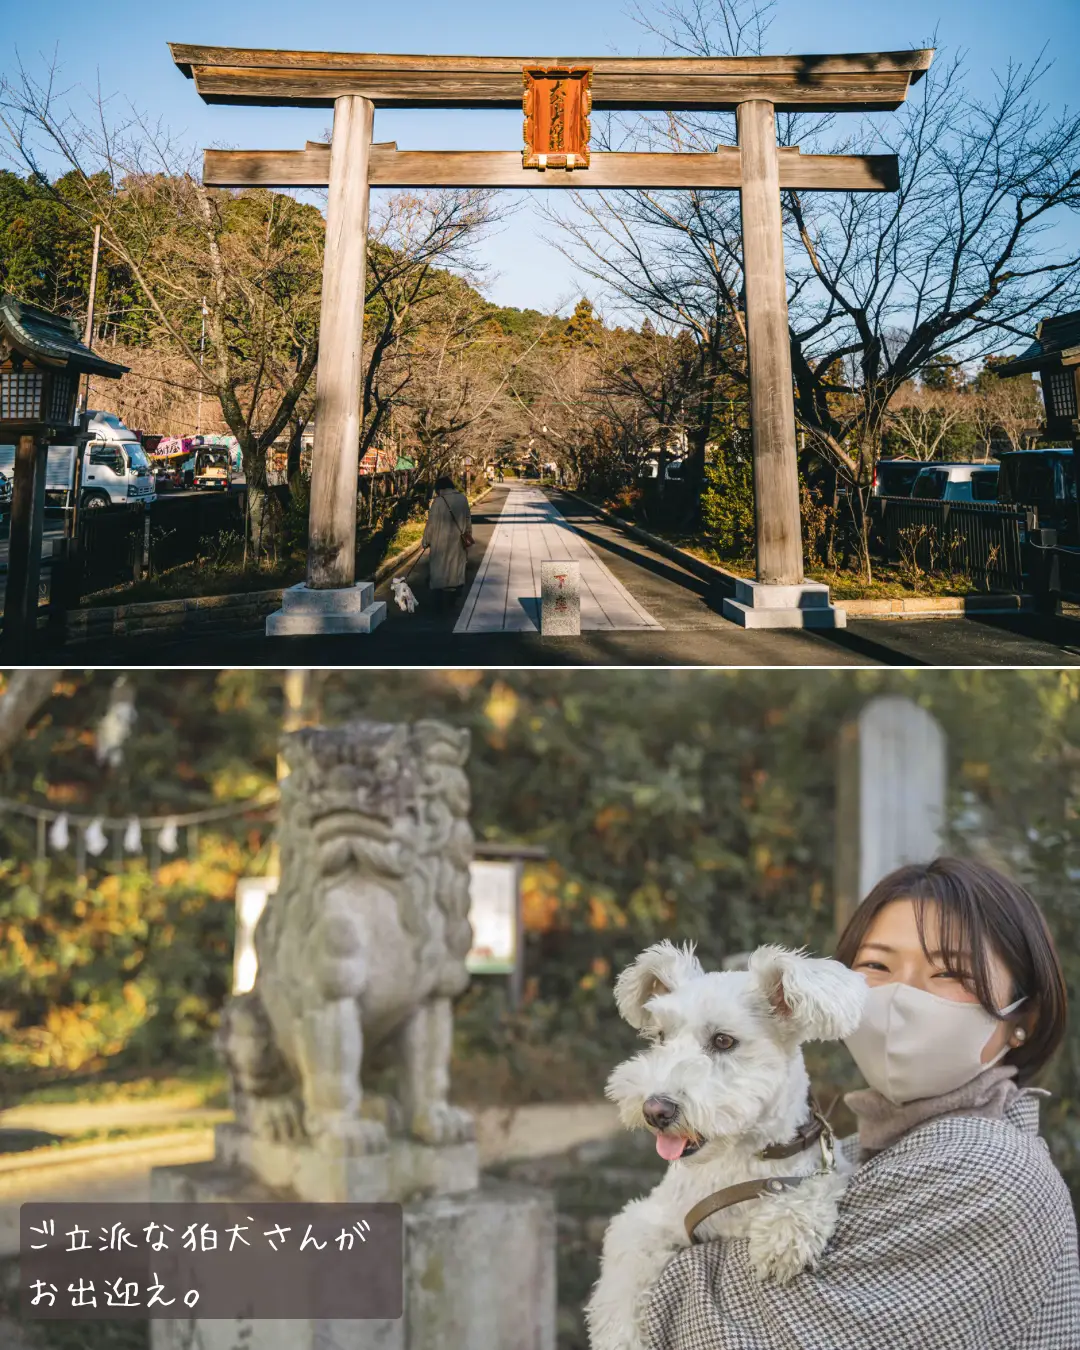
[(722, 1041)]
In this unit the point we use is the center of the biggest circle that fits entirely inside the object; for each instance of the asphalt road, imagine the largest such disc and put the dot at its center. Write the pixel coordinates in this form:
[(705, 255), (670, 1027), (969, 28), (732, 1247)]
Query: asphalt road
[(694, 631)]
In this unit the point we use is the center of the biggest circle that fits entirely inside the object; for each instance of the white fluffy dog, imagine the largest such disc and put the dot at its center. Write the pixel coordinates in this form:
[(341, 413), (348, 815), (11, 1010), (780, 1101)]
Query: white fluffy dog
[(403, 594), (722, 1079)]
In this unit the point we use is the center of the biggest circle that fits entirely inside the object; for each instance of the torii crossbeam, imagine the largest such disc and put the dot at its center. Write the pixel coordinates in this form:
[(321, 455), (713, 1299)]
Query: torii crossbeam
[(557, 95)]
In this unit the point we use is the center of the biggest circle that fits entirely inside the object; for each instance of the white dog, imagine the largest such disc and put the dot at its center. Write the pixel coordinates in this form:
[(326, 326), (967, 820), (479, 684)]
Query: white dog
[(403, 594), (722, 1080)]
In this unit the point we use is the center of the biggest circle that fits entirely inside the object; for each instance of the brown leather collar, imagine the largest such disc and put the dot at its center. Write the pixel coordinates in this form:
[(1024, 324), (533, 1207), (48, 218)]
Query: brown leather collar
[(806, 1136), (734, 1195)]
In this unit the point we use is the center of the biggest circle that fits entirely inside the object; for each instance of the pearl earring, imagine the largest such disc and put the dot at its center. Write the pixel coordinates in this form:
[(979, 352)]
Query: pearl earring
[(1019, 1036)]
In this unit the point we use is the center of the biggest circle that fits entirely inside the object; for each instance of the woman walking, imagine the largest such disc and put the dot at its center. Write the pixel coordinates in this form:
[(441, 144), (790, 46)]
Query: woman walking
[(956, 1231), (448, 536)]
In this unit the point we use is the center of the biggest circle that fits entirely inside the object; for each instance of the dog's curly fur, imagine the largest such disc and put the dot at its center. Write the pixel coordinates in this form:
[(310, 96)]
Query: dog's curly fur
[(731, 1101)]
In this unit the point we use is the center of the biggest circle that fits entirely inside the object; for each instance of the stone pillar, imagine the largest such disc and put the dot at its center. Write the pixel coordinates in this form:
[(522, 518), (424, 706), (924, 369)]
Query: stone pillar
[(780, 598), (890, 800), (332, 601)]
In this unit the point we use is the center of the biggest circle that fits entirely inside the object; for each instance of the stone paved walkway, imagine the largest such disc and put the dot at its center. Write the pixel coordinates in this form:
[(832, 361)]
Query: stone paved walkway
[(505, 595)]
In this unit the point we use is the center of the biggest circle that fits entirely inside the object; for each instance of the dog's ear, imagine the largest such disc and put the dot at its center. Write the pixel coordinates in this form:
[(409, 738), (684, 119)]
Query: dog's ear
[(815, 998), (658, 970)]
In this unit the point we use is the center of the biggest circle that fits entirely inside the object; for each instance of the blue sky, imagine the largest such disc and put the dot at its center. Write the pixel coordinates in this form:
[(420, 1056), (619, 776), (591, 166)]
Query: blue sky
[(124, 43)]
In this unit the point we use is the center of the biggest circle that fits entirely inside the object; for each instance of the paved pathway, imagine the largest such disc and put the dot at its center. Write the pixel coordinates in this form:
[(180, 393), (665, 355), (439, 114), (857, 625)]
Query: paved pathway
[(505, 595)]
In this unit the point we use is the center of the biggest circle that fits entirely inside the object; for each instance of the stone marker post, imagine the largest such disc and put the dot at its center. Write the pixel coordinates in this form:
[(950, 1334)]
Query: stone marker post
[(560, 599), (890, 800), (360, 951)]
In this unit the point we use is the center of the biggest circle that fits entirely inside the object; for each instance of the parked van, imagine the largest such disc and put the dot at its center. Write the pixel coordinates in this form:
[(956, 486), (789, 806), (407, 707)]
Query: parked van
[(673, 470), (115, 470), (1046, 481), (896, 477), (956, 483)]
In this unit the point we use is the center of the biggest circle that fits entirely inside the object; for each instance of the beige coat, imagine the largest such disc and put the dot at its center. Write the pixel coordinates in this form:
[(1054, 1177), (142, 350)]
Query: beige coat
[(447, 521)]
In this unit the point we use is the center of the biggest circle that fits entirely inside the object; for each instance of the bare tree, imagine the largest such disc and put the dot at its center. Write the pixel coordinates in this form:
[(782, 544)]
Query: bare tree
[(880, 283), (249, 262), (1018, 412), (921, 419), (414, 239), (252, 258), (459, 381)]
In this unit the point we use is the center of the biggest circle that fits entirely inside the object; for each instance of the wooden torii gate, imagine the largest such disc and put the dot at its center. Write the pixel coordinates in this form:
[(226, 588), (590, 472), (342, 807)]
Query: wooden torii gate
[(557, 96)]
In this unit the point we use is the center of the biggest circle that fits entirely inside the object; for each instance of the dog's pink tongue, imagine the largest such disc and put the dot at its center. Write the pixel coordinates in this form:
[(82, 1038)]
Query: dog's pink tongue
[(670, 1146)]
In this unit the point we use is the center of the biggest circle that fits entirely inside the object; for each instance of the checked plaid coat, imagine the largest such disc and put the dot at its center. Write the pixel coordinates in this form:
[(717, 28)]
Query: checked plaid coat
[(961, 1236)]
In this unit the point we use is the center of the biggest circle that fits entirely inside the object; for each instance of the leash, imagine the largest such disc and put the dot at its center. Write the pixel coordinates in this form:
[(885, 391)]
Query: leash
[(409, 573), (735, 1195), (816, 1130)]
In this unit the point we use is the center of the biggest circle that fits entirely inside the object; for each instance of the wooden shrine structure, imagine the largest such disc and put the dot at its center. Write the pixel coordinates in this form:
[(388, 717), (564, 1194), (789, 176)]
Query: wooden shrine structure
[(557, 96)]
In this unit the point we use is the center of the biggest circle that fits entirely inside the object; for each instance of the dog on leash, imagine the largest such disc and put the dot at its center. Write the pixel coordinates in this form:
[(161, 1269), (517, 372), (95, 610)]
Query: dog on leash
[(723, 1087), (403, 594)]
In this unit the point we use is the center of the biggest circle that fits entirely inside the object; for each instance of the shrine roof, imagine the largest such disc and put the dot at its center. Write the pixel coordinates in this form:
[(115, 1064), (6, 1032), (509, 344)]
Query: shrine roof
[(1057, 342), (51, 339)]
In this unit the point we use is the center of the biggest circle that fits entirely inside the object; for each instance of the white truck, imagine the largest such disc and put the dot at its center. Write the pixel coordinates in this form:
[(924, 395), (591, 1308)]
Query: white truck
[(115, 470)]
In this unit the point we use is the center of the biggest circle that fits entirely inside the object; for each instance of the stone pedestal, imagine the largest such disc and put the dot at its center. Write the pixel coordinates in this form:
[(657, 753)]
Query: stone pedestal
[(757, 605), (308, 613), (403, 1171), (479, 1272)]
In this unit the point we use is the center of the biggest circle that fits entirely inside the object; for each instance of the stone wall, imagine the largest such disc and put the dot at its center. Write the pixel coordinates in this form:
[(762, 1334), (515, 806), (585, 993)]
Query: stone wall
[(196, 614)]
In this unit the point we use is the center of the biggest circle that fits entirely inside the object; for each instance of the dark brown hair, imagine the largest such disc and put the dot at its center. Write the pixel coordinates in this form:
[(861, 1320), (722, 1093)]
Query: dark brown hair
[(980, 911)]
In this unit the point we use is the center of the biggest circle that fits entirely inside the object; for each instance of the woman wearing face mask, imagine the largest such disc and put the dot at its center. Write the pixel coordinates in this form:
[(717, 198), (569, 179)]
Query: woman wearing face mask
[(956, 1232)]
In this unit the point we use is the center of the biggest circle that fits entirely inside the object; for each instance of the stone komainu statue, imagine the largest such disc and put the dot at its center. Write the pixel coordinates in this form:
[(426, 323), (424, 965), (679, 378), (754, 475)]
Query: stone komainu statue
[(364, 944)]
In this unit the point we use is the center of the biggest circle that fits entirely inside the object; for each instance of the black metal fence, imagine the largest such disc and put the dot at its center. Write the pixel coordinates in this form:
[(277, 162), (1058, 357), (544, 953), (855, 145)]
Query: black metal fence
[(118, 545), (183, 529), (111, 550), (981, 540)]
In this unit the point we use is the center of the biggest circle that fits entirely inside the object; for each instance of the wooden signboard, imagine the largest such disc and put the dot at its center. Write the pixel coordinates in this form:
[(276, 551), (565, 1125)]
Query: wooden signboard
[(556, 102)]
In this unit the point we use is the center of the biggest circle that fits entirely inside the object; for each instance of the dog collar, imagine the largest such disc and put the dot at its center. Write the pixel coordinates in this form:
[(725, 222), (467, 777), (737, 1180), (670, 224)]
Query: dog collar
[(816, 1130)]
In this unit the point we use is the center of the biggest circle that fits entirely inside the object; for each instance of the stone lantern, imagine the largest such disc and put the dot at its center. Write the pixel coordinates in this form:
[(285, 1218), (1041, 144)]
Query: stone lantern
[(42, 360)]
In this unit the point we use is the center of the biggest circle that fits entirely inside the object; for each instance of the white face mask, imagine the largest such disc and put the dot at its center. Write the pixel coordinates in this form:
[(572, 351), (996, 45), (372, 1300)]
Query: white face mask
[(911, 1044)]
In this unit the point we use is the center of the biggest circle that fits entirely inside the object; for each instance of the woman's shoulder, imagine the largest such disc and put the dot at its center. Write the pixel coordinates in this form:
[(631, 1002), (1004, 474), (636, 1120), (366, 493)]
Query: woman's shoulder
[(968, 1157)]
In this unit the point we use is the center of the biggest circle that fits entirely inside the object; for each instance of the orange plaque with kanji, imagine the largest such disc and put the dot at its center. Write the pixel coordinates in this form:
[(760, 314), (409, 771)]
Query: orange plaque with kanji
[(557, 102)]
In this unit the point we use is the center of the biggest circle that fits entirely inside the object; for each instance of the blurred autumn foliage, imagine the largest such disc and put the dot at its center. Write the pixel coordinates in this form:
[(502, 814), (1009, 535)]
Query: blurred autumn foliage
[(125, 966), (672, 803)]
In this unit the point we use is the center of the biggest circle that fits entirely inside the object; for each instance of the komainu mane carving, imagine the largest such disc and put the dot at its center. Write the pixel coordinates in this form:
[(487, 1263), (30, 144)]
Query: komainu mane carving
[(364, 944)]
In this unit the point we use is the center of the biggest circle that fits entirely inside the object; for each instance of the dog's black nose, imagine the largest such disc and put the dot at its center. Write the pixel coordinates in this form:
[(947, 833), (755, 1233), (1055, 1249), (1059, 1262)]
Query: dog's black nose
[(660, 1112)]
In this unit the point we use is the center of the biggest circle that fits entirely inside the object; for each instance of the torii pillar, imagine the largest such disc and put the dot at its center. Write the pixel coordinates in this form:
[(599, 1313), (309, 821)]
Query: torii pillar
[(556, 98)]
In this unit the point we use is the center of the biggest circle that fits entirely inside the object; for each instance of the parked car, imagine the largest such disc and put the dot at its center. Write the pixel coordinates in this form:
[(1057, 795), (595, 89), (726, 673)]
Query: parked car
[(1044, 480), (895, 477), (956, 483), (212, 468), (6, 479), (673, 470)]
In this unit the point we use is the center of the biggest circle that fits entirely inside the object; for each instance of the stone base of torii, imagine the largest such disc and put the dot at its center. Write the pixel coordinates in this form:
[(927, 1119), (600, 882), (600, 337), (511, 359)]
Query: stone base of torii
[(353, 84)]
